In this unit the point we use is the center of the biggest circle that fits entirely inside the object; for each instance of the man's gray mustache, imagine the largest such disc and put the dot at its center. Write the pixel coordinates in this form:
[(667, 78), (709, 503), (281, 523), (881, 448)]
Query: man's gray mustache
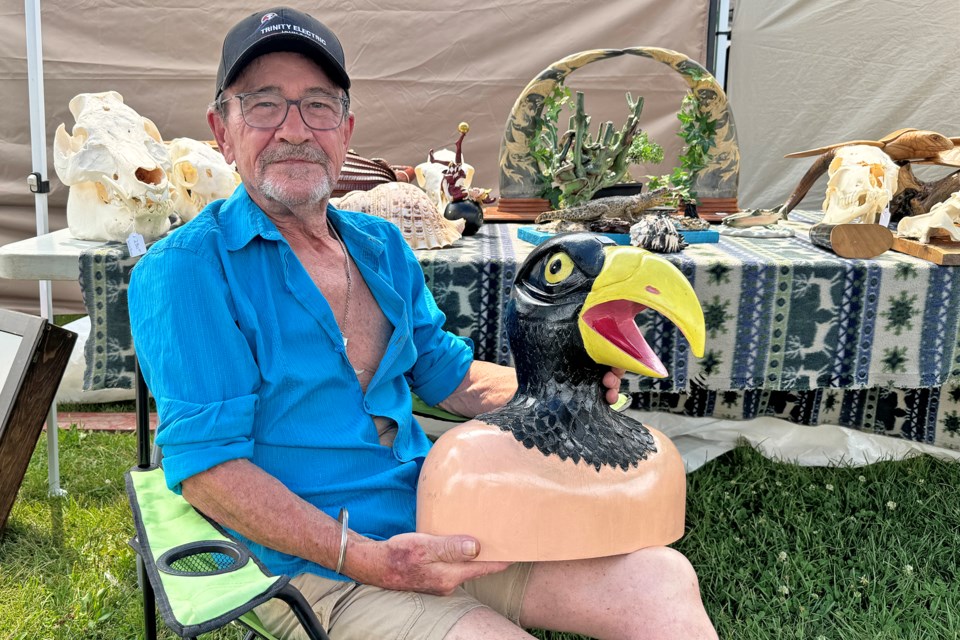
[(295, 153)]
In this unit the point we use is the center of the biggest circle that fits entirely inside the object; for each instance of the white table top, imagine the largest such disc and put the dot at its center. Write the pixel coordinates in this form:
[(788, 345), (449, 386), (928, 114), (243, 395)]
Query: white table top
[(52, 256)]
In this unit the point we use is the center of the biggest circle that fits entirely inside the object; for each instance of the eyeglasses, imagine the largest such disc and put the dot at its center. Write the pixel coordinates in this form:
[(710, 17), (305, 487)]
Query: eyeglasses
[(266, 110)]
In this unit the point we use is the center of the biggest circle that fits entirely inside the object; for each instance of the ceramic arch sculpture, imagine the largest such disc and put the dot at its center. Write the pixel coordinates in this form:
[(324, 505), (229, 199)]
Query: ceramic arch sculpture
[(520, 176)]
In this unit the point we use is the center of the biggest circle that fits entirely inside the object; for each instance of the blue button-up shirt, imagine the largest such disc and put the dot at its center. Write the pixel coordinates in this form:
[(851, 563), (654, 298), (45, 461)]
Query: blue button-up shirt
[(244, 357)]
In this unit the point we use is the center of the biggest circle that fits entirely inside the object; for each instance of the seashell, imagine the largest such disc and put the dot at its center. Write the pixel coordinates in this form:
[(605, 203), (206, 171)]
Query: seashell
[(657, 233), (407, 206)]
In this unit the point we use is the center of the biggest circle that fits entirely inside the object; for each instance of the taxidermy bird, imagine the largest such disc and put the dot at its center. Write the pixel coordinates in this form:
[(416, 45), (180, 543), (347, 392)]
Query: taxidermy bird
[(556, 474)]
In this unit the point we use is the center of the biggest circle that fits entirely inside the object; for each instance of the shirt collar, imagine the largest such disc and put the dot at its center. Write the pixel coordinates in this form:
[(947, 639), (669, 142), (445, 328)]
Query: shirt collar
[(242, 221)]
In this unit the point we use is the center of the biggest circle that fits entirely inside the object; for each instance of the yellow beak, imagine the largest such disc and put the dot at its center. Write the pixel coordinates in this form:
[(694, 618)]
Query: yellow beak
[(632, 280)]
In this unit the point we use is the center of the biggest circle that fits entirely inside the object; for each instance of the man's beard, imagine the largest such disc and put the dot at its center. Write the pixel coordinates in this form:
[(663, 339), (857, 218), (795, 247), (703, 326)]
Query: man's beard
[(274, 188)]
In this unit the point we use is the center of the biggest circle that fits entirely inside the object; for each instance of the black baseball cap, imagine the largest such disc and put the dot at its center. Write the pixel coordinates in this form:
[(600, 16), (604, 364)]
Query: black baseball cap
[(280, 29)]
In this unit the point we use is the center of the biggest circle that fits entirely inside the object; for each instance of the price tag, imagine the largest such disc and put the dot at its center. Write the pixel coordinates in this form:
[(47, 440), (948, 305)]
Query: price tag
[(136, 245), (885, 217)]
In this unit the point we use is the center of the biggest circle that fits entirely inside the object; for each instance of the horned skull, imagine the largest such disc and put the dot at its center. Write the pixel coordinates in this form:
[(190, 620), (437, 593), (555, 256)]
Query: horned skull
[(942, 220), (116, 166), (200, 175), (862, 181)]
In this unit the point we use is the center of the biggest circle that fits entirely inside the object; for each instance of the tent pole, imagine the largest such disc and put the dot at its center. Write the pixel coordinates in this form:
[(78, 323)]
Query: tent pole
[(40, 186), (722, 45)]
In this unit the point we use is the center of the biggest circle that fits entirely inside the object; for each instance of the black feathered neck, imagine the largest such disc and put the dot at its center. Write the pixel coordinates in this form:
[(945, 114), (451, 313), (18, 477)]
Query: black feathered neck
[(559, 406)]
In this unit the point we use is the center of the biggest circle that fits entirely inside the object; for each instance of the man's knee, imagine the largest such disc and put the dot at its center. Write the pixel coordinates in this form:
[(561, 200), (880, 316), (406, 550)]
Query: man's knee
[(668, 560), (658, 572)]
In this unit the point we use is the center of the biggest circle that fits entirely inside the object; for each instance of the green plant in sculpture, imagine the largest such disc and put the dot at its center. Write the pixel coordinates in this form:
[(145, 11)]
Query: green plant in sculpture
[(575, 165), (543, 143), (643, 150), (698, 131)]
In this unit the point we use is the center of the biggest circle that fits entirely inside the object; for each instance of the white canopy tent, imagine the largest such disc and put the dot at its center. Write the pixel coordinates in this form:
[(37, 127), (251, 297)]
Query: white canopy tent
[(800, 74), (808, 73), (418, 69)]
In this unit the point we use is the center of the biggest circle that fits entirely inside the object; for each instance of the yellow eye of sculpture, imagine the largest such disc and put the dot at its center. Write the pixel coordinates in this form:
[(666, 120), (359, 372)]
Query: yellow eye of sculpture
[(559, 267)]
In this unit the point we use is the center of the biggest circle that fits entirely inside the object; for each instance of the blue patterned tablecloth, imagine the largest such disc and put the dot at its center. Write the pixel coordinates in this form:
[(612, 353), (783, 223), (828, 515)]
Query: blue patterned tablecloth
[(793, 330)]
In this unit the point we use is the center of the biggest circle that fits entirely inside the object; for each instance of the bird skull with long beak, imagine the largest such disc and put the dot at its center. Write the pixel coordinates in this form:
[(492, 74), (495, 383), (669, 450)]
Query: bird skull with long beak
[(631, 281)]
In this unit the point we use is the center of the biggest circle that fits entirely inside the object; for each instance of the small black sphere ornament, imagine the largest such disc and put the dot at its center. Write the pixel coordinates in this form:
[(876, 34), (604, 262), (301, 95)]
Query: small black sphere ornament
[(469, 210)]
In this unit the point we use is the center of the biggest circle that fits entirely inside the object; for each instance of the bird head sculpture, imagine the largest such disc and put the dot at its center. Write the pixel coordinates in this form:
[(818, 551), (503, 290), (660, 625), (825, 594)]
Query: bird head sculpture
[(586, 283), (556, 474)]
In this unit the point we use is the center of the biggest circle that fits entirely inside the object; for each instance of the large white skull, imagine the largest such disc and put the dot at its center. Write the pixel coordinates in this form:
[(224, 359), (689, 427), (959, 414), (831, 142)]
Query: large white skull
[(941, 220), (862, 181), (200, 175), (116, 166), (430, 176)]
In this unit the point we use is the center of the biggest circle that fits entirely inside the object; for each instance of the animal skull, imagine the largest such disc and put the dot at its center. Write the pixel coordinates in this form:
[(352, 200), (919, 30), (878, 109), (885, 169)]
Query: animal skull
[(200, 175), (430, 175), (116, 166), (941, 220), (862, 181)]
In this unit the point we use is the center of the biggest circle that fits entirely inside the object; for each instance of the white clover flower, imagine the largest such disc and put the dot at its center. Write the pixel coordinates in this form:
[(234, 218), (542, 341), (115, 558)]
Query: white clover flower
[(782, 556), (891, 505), (908, 569), (864, 581), (862, 479), (784, 590), (828, 487)]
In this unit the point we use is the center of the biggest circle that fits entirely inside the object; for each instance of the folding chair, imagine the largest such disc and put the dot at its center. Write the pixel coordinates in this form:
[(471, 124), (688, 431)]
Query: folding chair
[(199, 576)]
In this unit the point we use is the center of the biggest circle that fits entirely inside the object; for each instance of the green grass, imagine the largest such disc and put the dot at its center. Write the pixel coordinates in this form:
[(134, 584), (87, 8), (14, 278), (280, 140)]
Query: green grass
[(782, 551)]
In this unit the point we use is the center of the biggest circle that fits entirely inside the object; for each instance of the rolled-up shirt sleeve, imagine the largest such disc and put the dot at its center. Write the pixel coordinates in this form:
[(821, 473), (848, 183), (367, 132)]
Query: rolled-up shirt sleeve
[(197, 363), (442, 357)]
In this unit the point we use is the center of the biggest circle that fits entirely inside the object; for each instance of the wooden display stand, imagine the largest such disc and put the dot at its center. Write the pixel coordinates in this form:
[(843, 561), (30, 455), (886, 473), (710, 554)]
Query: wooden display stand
[(33, 357), (940, 250), (716, 209), (516, 210)]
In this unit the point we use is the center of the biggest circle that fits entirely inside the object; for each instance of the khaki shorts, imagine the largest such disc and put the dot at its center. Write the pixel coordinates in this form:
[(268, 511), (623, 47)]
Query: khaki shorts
[(351, 611)]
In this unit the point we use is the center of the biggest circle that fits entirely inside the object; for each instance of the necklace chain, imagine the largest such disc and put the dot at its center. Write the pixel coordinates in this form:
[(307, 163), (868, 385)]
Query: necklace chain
[(348, 272)]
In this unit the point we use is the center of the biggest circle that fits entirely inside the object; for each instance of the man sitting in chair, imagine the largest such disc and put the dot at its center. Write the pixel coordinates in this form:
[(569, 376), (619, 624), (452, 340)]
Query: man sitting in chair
[(281, 338)]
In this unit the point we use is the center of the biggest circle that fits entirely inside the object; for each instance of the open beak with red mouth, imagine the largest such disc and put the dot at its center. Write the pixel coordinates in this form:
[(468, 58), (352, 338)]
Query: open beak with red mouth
[(631, 281)]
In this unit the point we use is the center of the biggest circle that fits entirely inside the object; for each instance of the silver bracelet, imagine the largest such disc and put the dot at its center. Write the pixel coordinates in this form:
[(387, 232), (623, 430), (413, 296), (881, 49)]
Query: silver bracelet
[(343, 518)]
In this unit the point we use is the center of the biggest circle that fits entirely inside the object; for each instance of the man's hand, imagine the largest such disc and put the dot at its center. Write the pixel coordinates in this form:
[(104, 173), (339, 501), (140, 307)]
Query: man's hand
[(611, 380), (417, 562)]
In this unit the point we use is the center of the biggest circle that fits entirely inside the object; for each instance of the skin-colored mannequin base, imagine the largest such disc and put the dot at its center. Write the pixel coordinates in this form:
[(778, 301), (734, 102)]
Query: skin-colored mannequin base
[(523, 505)]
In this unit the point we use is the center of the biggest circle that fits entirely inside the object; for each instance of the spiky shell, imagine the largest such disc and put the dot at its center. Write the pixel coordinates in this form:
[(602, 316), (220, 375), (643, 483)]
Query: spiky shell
[(407, 206), (657, 233)]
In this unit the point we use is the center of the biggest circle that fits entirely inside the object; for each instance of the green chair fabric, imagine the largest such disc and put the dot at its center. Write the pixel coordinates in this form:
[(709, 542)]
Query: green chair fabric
[(202, 577)]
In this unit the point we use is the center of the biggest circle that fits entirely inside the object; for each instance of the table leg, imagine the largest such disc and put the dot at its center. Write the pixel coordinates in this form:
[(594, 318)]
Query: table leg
[(53, 429), (53, 455)]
